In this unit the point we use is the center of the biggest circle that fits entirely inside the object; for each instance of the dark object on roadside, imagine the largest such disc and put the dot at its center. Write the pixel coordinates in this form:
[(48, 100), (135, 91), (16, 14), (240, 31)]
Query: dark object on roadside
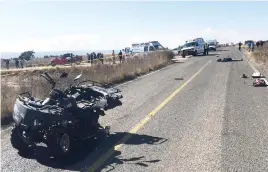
[(259, 83), (178, 78), (228, 59), (64, 118), (244, 76)]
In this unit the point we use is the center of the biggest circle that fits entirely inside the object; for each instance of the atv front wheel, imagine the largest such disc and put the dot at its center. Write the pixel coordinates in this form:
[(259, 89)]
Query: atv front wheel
[(60, 145), (16, 140)]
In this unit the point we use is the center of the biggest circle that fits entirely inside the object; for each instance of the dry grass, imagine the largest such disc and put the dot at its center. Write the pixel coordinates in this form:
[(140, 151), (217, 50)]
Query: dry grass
[(261, 54), (31, 82)]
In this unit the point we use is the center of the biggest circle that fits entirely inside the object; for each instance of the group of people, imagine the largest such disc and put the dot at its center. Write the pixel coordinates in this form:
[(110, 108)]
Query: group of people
[(93, 56), (251, 45), (18, 62), (259, 43)]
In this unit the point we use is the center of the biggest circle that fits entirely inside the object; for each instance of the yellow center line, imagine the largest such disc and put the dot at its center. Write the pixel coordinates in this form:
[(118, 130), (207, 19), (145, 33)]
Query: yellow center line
[(110, 152)]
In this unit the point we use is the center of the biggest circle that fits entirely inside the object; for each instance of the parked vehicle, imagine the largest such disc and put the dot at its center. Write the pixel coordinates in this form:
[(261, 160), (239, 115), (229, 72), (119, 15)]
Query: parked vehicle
[(63, 119), (194, 47), (67, 58), (212, 45), (147, 47)]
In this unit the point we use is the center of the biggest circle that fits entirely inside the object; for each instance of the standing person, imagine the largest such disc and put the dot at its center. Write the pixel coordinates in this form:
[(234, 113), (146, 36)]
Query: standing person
[(21, 63), (91, 58), (88, 58), (249, 46), (17, 63), (124, 55), (102, 58), (94, 56), (206, 49), (240, 44), (120, 56), (257, 44), (261, 43), (252, 46), (7, 63), (113, 56)]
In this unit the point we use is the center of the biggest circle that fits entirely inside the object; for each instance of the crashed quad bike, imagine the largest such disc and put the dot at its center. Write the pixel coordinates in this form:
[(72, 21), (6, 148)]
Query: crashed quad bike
[(92, 89), (60, 121)]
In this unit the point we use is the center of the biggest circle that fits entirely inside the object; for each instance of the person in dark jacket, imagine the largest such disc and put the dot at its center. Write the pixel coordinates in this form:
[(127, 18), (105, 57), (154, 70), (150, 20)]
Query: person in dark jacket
[(206, 49), (7, 63), (101, 57), (258, 44), (261, 43), (120, 56), (17, 63)]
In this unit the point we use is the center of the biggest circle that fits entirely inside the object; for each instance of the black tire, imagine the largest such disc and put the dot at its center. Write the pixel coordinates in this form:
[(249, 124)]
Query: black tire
[(59, 150), (53, 64), (16, 140), (195, 53)]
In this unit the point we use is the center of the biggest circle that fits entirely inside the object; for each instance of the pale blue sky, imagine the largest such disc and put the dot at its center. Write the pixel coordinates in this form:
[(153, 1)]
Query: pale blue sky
[(84, 25)]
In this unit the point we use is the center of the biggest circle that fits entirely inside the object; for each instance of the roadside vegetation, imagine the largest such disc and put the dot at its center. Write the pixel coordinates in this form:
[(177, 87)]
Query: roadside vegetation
[(261, 54), (30, 81)]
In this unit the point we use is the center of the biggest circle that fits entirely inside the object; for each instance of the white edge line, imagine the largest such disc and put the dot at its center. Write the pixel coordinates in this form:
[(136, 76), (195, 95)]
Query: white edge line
[(255, 70)]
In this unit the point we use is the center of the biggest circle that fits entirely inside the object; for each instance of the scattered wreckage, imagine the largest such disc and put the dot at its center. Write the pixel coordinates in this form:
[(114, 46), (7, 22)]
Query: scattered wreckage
[(260, 80), (63, 118)]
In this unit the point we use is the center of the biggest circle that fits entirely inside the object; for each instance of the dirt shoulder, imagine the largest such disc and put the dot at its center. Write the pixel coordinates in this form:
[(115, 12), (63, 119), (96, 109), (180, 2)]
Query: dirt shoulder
[(259, 64)]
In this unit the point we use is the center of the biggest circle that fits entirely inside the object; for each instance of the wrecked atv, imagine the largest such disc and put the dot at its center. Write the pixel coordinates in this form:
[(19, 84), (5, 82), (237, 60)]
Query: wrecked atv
[(59, 121)]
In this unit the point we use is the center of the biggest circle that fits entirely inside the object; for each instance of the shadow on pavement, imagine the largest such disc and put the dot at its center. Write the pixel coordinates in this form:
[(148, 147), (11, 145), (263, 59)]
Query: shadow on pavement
[(212, 54), (221, 50), (92, 150)]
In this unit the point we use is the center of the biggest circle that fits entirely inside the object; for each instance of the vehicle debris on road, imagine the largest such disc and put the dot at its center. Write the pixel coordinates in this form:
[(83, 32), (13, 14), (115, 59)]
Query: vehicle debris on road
[(257, 75), (244, 76), (260, 82)]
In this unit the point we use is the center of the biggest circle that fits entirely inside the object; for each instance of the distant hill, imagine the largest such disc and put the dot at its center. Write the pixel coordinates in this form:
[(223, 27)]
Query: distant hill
[(42, 54)]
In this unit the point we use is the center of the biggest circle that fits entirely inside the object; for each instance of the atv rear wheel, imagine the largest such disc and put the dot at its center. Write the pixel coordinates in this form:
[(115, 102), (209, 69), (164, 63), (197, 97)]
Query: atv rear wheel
[(60, 144), (16, 140)]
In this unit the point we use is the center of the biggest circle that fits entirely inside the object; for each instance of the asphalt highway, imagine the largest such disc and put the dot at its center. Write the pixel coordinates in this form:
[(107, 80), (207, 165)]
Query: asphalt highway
[(199, 115)]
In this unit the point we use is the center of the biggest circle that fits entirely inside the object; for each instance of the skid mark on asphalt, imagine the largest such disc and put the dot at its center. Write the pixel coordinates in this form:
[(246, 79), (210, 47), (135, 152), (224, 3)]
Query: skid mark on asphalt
[(110, 152)]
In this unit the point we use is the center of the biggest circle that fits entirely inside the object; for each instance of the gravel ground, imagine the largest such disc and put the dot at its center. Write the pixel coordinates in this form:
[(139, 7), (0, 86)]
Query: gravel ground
[(216, 122)]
